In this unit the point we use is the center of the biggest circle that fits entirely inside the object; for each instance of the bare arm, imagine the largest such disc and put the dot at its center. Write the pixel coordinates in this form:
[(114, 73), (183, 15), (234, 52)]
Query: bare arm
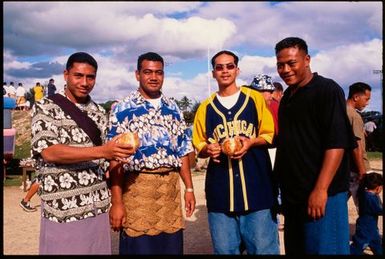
[(65, 154), (358, 159), (318, 197), (191, 157), (117, 210), (189, 197)]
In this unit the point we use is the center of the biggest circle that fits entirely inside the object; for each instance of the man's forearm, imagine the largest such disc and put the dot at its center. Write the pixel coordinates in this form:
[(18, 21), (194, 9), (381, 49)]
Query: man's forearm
[(185, 172), (117, 182), (65, 154), (358, 158)]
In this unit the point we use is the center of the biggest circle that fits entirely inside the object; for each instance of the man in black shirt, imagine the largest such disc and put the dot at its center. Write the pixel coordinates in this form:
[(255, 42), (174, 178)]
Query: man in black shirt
[(311, 161)]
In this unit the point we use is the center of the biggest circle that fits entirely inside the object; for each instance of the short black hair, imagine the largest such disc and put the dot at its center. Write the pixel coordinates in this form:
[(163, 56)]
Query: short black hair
[(81, 57), (371, 181), (151, 56), (227, 52), (278, 86), (358, 88), (291, 42)]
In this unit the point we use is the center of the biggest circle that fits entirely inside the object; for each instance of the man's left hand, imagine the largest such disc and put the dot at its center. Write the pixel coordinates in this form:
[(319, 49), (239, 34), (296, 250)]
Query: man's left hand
[(189, 199)]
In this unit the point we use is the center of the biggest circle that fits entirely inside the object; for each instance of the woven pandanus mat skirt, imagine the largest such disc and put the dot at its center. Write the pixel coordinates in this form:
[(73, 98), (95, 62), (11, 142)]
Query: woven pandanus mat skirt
[(152, 203)]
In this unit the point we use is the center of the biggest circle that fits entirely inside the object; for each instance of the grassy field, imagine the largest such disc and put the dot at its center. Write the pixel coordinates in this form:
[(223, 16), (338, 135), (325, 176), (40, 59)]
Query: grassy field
[(374, 155), (15, 179), (12, 180)]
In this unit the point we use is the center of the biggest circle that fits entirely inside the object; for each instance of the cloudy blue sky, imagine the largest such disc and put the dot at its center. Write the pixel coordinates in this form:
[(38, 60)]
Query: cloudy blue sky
[(344, 39)]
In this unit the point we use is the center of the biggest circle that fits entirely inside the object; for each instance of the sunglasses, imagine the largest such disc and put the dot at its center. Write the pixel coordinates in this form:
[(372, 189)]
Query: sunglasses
[(221, 67)]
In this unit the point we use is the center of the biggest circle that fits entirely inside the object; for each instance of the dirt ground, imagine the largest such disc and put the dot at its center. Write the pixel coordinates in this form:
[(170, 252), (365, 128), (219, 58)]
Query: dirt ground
[(21, 229)]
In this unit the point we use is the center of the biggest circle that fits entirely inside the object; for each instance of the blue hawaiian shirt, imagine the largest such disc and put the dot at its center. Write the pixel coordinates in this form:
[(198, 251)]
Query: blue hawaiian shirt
[(163, 133)]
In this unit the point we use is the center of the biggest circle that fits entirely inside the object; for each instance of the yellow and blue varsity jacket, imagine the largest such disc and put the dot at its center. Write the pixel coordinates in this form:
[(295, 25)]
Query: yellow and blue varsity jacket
[(237, 185)]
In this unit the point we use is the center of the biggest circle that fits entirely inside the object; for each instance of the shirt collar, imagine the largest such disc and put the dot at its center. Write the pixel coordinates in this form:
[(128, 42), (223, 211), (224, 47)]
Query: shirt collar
[(139, 99), (87, 103)]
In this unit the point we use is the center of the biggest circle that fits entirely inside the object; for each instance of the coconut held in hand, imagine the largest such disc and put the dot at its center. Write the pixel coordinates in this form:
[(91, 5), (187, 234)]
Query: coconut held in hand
[(231, 145), (129, 138)]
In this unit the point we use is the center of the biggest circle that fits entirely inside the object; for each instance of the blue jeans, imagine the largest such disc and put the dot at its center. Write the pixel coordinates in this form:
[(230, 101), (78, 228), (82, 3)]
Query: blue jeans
[(257, 230), (326, 236)]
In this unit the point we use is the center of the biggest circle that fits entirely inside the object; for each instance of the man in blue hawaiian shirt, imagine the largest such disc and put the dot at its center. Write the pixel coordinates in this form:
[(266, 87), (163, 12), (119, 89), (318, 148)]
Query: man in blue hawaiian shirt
[(146, 196)]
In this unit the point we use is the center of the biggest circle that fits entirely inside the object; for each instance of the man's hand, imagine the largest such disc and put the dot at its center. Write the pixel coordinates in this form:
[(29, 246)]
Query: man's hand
[(213, 150), (118, 151), (317, 203), (117, 216), (189, 199), (246, 144)]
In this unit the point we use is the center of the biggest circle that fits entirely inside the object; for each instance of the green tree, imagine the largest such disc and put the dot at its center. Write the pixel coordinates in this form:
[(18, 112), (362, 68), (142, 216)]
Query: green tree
[(190, 115), (184, 103), (195, 107), (107, 105)]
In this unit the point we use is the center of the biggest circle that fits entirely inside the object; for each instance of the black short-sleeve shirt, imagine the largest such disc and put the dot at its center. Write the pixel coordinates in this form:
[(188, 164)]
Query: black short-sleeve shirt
[(311, 121)]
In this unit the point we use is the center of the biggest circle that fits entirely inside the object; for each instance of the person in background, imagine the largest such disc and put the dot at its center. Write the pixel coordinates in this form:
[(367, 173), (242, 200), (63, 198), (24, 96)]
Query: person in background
[(51, 88), (5, 89), (369, 128), (274, 103), (370, 207), (313, 147), (25, 202), (69, 161), (146, 205), (274, 107), (265, 85), (20, 97), (278, 91), (39, 92), (358, 99), (239, 188), (12, 91)]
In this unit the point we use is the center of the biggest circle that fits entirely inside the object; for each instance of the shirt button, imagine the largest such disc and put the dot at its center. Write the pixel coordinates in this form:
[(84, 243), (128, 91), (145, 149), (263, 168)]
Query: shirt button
[(229, 112)]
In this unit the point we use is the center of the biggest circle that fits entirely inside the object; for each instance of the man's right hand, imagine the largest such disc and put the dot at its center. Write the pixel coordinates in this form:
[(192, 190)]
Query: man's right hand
[(118, 151), (117, 216), (213, 150)]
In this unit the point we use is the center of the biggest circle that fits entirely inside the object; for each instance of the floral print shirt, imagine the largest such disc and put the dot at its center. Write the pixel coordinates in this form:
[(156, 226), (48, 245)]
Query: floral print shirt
[(69, 192), (163, 133)]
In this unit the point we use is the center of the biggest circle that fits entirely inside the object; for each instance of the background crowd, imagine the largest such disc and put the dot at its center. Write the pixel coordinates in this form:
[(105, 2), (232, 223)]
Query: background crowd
[(25, 99)]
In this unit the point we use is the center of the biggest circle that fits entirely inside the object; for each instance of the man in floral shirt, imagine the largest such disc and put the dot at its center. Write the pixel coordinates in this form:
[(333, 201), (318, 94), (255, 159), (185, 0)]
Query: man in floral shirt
[(75, 197), (146, 197)]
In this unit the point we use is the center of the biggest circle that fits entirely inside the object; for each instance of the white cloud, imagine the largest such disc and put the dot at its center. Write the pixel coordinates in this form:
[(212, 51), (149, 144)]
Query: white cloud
[(321, 24), (116, 26), (344, 38), (350, 63), (10, 62), (253, 65)]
